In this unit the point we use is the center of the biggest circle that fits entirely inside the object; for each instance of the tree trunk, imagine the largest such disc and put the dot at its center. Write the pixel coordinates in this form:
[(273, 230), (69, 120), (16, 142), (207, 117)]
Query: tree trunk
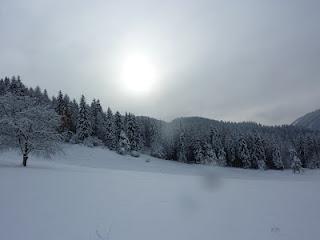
[(25, 158), (25, 154)]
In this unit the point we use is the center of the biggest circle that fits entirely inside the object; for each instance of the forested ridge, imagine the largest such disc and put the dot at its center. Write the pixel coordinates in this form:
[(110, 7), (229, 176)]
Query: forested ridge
[(32, 121)]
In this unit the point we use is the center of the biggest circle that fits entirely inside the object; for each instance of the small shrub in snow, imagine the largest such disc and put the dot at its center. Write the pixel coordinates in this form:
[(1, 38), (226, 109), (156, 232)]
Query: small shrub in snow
[(74, 139), (135, 154), (122, 151), (92, 142), (262, 165)]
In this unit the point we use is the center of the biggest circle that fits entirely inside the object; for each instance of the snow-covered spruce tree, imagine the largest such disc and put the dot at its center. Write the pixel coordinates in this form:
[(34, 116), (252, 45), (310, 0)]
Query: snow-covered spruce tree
[(197, 152), (156, 141), (276, 157), (182, 150), (74, 111), (209, 155), (26, 125), (311, 151), (133, 132), (2, 87), (59, 104), (16, 87), (157, 149), (229, 148), (314, 161), (95, 109), (118, 126), (62, 108), (84, 128), (218, 147), (301, 147), (110, 136), (124, 144), (258, 155), (45, 97), (98, 120), (215, 141), (243, 153), (296, 163), (222, 160)]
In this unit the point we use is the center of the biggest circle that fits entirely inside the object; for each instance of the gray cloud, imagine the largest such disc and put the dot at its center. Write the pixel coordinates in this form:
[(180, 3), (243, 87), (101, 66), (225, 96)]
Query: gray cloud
[(230, 60)]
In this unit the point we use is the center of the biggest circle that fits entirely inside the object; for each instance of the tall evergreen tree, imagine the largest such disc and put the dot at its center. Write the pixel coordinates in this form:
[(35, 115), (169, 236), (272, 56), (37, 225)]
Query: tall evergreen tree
[(133, 132), (110, 136), (59, 106), (118, 125), (276, 157), (258, 155), (243, 153), (84, 128), (182, 151)]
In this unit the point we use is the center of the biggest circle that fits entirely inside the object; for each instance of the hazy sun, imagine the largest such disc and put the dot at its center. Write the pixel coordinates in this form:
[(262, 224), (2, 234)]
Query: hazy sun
[(138, 74)]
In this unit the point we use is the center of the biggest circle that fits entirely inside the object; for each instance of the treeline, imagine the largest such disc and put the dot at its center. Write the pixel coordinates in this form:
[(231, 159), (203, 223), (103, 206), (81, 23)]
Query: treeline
[(189, 140)]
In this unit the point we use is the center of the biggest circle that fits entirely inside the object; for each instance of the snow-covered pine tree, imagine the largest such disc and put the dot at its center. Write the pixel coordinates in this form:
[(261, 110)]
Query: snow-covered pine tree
[(118, 126), (98, 120), (45, 97), (182, 150), (222, 160), (59, 105), (133, 132), (296, 163), (124, 143), (230, 148), (217, 146), (243, 153), (258, 155), (157, 149), (74, 111), (210, 157), (197, 152), (2, 87), (314, 161), (276, 157), (84, 128), (155, 140), (16, 87), (37, 93), (110, 136), (310, 151)]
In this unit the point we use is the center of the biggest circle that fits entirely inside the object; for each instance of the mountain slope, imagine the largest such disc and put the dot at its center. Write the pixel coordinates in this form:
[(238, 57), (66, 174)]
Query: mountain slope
[(310, 120)]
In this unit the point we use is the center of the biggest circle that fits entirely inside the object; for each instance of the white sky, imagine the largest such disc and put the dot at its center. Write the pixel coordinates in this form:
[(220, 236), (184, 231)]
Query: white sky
[(230, 60)]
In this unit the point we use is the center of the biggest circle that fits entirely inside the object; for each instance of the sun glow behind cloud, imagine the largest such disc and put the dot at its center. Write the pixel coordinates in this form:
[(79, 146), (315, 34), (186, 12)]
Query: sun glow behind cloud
[(138, 74)]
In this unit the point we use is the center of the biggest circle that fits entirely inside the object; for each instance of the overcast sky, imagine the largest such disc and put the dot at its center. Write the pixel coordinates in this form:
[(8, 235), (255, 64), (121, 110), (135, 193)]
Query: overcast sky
[(228, 60)]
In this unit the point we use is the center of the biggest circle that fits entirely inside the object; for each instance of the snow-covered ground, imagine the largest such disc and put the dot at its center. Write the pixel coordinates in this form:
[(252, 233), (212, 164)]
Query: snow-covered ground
[(96, 194)]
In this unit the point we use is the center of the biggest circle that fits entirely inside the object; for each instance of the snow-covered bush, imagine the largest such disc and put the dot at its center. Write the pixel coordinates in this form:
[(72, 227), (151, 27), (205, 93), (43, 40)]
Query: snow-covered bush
[(74, 139), (92, 142), (262, 164), (135, 154)]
